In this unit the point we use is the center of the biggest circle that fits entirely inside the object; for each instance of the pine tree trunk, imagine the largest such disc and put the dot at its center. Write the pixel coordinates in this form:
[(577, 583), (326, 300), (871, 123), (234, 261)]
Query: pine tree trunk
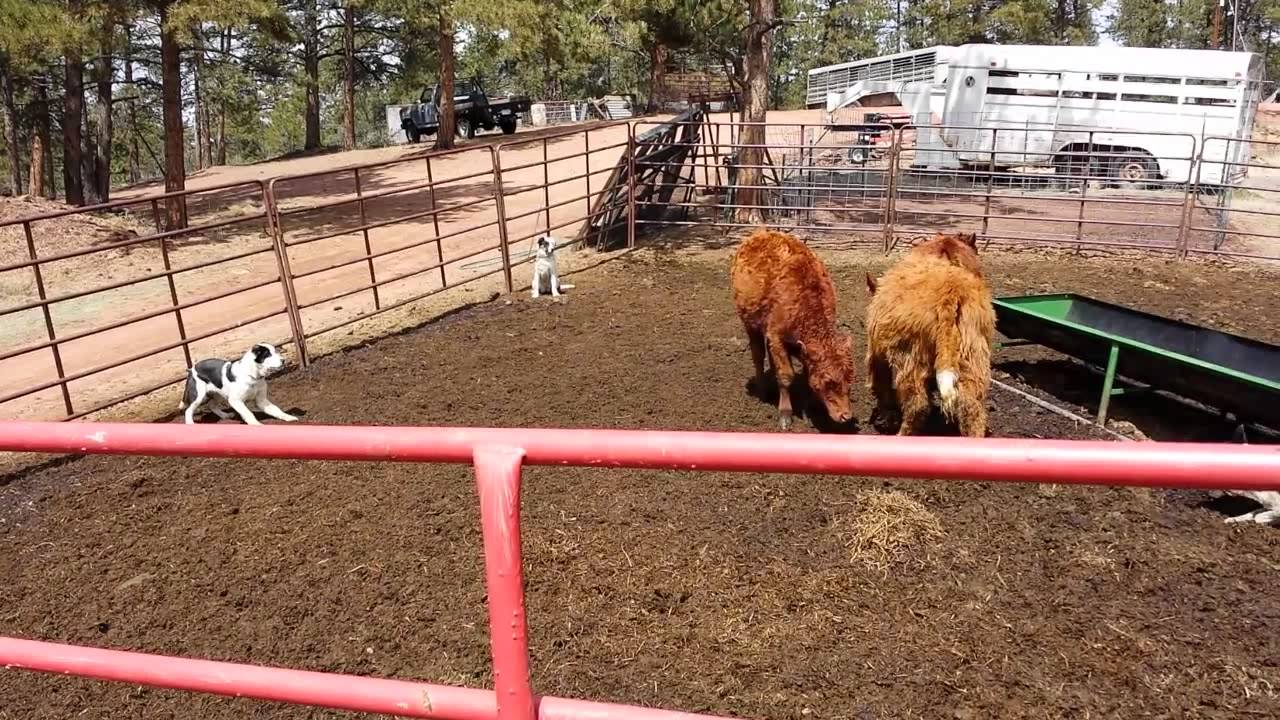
[(657, 74), (72, 122), (311, 65), (11, 129), (88, 159), (103, 74), (222, 107), (36, 186), (444, 135), (40, 91), (751, 159), (135, 157), (349, 77), (222, 136), (175, 171), (204, 147)]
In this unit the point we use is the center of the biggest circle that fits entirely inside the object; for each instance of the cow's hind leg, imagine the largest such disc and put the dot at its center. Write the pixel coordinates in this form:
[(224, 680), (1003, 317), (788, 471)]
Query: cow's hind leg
[(880, 381), (782, 371), (971, 412), (755, 339), (912, 386)]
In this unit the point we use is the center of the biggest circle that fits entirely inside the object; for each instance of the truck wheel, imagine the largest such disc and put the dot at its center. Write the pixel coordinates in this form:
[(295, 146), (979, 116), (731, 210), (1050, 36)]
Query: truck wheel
[(413, 134), (1134, 169), (508, 126), (466, 129)]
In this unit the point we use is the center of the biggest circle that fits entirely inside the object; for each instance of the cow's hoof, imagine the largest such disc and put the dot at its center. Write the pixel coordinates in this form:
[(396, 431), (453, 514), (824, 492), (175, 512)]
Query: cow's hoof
[(784, 422)]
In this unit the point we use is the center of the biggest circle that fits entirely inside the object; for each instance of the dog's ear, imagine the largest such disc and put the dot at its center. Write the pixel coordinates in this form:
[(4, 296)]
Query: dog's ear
[(261, 353)]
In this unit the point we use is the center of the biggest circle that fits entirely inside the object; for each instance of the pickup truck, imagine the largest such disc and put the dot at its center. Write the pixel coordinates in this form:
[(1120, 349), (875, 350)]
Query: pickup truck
[(472, 111)]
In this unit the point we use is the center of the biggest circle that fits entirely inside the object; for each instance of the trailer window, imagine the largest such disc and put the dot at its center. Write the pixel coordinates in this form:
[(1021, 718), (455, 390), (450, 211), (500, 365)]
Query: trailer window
[(1219, 102), (1212, 83), (1133, 97), (1153, 79), (1024, 92)]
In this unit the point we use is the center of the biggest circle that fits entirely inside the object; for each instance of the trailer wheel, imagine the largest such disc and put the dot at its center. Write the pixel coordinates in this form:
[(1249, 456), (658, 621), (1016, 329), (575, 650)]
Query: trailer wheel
[(508, 125), (1134, 169), (858, 155)]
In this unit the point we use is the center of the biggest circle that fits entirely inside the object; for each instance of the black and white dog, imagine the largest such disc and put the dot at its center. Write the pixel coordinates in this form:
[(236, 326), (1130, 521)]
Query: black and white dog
[(544, 268), (241, 386)]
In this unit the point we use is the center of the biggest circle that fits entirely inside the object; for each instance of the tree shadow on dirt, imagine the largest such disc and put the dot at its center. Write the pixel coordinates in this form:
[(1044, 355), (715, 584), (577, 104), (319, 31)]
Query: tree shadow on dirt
[(455, 202)]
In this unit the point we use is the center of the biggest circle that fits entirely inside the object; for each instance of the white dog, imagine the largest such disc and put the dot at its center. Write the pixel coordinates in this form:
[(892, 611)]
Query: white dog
[(1268, 499), (544, 268), (240, 386)]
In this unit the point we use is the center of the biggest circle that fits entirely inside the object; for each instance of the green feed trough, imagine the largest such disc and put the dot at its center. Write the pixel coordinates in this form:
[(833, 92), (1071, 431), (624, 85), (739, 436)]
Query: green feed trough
[(1231, 373)]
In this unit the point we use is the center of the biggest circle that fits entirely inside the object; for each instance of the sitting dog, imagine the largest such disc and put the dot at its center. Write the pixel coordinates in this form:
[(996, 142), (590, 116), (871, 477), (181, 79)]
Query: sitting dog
[(544, 267), (241, 386)]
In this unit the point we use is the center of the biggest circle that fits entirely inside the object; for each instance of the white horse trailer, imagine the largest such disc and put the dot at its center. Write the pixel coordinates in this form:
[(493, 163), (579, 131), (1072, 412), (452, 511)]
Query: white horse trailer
[(1136, 114)]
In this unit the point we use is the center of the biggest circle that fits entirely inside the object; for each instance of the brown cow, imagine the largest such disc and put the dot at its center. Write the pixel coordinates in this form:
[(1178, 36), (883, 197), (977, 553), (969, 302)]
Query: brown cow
[(931, 316), (787, 304)]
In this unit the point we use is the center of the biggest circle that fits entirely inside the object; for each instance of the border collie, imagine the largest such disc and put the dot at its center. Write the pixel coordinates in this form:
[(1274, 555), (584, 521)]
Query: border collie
[(545, 272), (217, 385)]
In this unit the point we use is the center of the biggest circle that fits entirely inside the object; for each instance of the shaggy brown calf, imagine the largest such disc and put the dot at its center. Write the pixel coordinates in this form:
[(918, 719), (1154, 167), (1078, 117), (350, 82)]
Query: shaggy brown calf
[(931, 316), (787, 304)]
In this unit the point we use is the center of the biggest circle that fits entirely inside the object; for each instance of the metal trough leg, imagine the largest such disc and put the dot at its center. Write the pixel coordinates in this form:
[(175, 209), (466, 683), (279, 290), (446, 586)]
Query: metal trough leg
[(1108, 381)]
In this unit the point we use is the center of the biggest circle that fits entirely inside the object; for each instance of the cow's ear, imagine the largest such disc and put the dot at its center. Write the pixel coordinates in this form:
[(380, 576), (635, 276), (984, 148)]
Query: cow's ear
[(970, 239), (871, 284)]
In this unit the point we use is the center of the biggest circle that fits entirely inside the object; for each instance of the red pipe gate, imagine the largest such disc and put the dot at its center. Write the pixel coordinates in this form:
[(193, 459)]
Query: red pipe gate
[(498, 456)]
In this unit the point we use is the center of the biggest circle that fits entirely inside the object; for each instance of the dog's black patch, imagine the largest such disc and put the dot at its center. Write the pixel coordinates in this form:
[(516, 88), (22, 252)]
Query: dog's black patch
[(210, 371), (261, 353)]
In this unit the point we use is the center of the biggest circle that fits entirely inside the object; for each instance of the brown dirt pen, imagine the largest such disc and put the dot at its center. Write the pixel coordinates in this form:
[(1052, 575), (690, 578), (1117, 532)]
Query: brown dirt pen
[(744, 594)]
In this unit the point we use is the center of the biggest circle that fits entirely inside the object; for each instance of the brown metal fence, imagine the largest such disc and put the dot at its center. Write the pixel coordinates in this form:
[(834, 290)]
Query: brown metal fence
[(102, 305)]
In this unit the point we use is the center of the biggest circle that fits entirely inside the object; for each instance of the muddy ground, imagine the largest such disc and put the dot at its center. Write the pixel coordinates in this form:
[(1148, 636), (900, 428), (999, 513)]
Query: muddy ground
[(752, 595)]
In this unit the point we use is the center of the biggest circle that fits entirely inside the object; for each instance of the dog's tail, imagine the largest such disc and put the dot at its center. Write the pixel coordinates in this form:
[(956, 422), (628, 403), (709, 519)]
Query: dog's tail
[(566, 286), (188, 391), (963, 345)]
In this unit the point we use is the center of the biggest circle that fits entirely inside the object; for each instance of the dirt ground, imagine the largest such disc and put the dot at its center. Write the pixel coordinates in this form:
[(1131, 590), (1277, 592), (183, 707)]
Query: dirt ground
[(752, 595)]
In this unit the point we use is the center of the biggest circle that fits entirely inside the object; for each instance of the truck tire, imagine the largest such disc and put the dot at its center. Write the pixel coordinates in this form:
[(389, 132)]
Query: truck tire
[(413, 134), (508, 125), (465, 128)]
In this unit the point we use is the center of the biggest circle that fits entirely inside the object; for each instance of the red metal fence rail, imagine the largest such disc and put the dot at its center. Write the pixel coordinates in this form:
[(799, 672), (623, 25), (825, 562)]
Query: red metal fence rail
[(498, 456)]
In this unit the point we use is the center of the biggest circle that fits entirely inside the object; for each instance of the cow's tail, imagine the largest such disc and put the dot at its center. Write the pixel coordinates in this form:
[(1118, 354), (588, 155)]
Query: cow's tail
[(188, 391), (962, 345)]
